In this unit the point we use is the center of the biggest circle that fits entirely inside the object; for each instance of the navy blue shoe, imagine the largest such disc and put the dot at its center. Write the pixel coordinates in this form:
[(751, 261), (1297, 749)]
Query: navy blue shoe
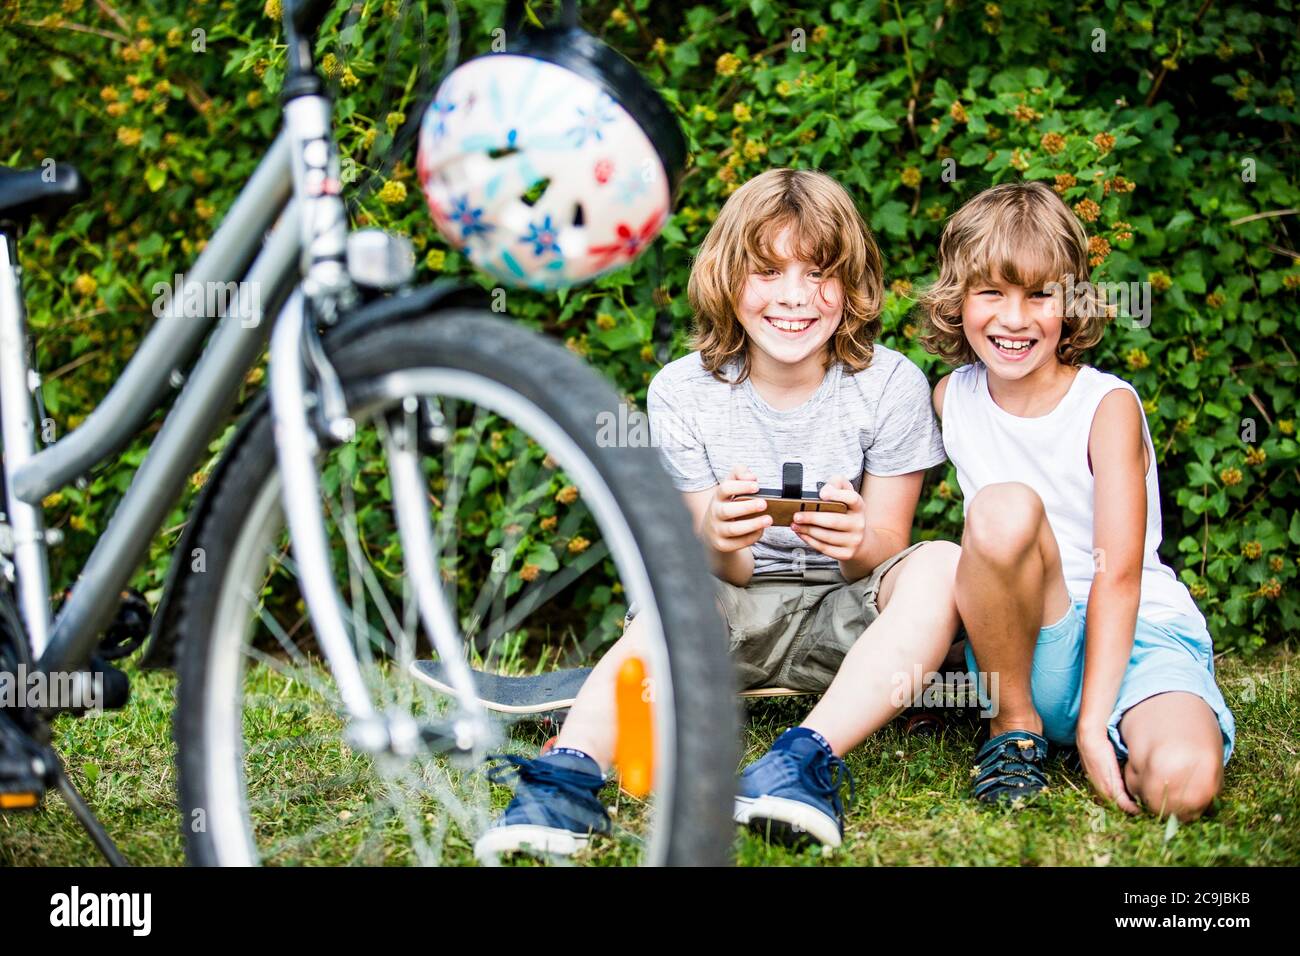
[(1010, 767), (792, 793), (555, 809)]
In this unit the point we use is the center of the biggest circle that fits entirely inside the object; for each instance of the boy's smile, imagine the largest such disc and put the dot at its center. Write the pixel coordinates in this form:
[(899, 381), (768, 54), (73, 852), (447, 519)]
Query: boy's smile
[(789, 310), (1013, 330)]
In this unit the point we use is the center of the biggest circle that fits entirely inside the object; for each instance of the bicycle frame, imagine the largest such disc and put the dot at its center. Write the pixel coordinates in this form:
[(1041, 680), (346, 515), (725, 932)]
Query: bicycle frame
[(236, 252)]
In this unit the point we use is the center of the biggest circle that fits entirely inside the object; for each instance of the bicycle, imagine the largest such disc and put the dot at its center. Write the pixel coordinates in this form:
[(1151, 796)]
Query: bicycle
[(382, 401)]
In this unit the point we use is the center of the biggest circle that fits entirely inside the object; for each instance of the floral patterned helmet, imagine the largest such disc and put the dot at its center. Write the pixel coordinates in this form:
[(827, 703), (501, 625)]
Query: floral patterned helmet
[(550, 163)]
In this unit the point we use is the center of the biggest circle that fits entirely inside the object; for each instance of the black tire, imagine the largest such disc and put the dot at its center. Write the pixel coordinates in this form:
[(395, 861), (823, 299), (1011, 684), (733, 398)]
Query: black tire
[(561, 385)]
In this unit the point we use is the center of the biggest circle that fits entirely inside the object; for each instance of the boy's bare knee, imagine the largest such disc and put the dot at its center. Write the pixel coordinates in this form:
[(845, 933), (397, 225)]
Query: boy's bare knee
[(1181, 780), (1002, 522)]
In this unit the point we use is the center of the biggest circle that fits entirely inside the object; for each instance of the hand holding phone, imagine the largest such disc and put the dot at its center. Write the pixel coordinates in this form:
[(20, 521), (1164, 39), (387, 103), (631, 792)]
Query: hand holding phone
[(734, 519), (784, 503)]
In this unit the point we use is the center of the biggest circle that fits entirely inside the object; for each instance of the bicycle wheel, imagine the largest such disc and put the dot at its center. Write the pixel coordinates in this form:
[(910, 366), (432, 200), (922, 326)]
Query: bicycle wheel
[(543, 534)]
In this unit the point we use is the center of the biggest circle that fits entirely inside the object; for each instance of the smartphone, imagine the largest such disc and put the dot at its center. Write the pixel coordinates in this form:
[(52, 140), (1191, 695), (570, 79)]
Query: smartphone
[(791, 498), (783, 509)]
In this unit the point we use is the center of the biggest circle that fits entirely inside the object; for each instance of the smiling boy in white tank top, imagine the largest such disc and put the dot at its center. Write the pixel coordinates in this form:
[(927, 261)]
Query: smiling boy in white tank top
[(1095, 641)]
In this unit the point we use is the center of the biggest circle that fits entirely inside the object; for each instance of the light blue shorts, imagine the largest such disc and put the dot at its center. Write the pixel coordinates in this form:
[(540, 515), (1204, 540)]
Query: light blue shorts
[(1176, 655)]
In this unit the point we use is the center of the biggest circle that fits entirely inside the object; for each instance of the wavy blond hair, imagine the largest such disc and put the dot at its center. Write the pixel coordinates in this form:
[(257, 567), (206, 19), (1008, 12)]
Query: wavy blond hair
[(1023, 234), (826, 230)]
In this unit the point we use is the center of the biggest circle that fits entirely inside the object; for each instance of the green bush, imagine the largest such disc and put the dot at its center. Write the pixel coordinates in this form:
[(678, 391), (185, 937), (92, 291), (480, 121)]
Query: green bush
[(1170, 128)]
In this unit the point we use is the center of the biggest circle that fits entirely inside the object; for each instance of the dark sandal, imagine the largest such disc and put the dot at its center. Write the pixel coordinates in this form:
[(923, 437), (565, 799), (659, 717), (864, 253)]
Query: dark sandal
[(1010, 767)]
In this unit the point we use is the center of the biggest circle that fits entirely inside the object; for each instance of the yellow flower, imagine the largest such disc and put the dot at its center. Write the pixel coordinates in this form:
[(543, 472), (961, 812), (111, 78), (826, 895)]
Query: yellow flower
[(52, 500), (394, 120), (1104, 142), (77, 523), (660, 48), (1160, 281), (1230, 476), (140, 94), (392, 192), (902, 288), (567, 495), (1251, 550), (174, 36), (349, 79), (204, 209), (1256, 456), (911, 177), (254, 98), (549, 522), (784, 88), (435, 259), (1087, 210), (1053, 143), (368, 140), (647, 353), (108, 94), (1286, 426), (958, 112), (530, 572), (820, 34), (128, 135), (618, 17), (84, 285), (605, 321), (1098, 250), (727, 64), (578, 544), (1025, 114), (115, 109), (1137, 359), (753, 150), (741, 112), (1215, 299), (272, 9), (1064, 181)]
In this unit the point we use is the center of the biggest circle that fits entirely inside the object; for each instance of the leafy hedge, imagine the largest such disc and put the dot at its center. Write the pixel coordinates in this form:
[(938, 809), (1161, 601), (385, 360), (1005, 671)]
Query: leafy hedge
[(1170, 128)]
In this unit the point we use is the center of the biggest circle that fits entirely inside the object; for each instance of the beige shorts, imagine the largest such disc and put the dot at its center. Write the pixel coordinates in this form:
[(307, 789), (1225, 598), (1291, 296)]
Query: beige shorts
[(793, 630)]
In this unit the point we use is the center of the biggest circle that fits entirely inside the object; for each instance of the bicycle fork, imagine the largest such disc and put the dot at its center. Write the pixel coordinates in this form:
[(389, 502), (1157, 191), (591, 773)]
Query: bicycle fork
[(293, 399)]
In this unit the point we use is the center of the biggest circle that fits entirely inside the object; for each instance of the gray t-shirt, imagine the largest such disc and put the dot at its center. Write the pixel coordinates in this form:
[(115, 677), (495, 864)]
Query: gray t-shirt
[(878, 420)]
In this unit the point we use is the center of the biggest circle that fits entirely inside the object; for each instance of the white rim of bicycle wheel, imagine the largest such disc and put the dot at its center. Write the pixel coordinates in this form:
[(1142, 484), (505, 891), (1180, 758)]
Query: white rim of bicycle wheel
[(223, 731)]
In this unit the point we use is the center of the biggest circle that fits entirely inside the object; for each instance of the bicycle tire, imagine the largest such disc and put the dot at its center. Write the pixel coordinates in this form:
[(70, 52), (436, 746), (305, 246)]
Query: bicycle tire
[(705, 753)]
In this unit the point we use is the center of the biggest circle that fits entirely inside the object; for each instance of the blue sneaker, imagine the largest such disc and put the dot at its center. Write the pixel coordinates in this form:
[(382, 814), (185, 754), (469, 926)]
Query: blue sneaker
[(555, 809), (792, 792)]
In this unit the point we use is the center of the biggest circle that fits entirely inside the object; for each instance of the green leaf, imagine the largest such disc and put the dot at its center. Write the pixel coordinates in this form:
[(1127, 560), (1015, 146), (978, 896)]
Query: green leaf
[(544, 557), (479, 478), (155, 177)]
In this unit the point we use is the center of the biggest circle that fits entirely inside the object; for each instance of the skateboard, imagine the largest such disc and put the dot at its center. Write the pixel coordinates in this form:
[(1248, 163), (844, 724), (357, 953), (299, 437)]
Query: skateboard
[(538, 693)]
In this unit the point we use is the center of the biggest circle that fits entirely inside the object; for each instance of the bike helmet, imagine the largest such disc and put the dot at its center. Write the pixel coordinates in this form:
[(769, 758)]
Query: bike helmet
[(552, 162)]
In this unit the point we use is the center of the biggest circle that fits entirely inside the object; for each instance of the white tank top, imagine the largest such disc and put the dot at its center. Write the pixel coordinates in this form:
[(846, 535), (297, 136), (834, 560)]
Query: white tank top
[(988, 445)]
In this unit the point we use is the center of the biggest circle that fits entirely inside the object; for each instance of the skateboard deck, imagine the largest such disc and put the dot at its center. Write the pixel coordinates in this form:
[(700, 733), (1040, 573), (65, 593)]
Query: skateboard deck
[(537, 693)]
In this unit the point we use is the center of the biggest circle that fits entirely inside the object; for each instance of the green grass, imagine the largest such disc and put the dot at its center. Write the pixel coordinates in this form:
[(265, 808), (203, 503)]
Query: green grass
[(912, 806)]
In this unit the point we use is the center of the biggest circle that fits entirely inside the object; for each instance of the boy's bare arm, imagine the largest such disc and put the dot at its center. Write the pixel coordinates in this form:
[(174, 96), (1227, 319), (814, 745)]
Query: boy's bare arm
[(1117, 451), (889, 504)]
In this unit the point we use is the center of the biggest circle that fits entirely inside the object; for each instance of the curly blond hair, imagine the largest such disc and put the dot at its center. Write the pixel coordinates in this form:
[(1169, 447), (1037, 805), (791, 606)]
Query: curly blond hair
[(1023, 234), (826, 229)]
